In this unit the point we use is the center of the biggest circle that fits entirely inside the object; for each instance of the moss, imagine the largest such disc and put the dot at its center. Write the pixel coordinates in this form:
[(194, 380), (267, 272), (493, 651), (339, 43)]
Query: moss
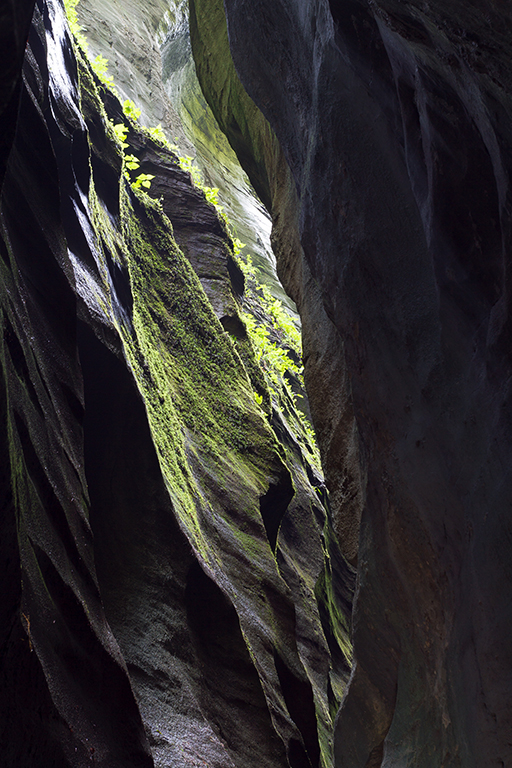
[(334, 607), (196, 391), (195, 387), (218, 446), (269, 379)]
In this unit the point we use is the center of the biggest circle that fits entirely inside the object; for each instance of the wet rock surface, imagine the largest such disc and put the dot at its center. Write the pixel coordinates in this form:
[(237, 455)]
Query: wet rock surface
[(173, 585), (172, 590)]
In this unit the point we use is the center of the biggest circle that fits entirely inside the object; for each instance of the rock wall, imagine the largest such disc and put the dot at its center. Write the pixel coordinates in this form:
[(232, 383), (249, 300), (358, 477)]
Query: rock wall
[(149, 56), (379, 136), (172, 590), (173, 585)]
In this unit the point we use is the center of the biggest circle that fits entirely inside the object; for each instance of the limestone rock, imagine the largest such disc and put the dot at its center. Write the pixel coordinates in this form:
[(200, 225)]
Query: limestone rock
[(149, 55)]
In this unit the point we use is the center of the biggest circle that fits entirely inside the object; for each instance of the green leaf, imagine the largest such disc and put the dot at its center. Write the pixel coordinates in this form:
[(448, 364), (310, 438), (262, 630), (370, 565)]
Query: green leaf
[(120, 131), (143, 180), (131, 111), (132, 162), (158, 134)]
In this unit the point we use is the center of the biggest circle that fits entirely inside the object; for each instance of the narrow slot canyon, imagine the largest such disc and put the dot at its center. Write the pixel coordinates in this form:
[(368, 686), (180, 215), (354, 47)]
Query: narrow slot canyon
[(255, 366)]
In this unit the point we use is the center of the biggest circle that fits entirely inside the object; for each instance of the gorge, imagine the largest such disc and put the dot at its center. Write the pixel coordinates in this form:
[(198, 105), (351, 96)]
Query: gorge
[(188, 578)]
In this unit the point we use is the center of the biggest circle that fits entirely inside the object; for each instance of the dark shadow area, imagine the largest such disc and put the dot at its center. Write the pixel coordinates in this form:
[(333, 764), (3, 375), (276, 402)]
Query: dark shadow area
[(237, 277), (27, 714), (297, 755), (232, 691), (55, 515), (130, 508), (19, 363), (376, 757), (234, 326), (298, 697), (274, 504)]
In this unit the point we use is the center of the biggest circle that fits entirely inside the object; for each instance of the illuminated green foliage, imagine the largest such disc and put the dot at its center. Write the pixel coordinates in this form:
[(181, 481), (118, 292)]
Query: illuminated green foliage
[(131, 111), (273, 337), (99, 64)]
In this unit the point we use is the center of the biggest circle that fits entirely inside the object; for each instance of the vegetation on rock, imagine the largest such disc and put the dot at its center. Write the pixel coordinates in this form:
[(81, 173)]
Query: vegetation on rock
[(159, 476), (99, 63), (221, 449)]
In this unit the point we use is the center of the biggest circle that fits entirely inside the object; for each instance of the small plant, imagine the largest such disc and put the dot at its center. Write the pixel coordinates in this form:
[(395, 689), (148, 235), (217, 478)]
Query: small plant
[(143, 180), (100, 67), (99, 64), (186, 164), (277, 346), (238, 246), (121, 132), (281, 321), (274, 359), (131, 111), (71, 13), (157, 134), (131, 162)]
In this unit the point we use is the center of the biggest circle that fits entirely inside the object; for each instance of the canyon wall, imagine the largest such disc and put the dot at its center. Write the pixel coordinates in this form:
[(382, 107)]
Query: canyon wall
[(172, 589), (147, 47), (379, 135), (177, 584)]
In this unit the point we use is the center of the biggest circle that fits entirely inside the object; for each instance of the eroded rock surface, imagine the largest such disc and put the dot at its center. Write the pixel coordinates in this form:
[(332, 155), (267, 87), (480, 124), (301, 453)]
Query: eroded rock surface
[(172, 591), (395, 123), (148, 50)]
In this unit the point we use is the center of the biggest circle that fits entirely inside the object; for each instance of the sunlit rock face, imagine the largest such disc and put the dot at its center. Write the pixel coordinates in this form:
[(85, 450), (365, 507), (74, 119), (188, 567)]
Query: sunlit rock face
[(172, 590), (147, 46), (395, 123)]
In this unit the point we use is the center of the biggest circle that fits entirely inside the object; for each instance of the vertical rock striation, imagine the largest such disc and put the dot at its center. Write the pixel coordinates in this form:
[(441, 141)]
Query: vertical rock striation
[(14, 25), (379, 135), (172, 591), (149, 55)]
